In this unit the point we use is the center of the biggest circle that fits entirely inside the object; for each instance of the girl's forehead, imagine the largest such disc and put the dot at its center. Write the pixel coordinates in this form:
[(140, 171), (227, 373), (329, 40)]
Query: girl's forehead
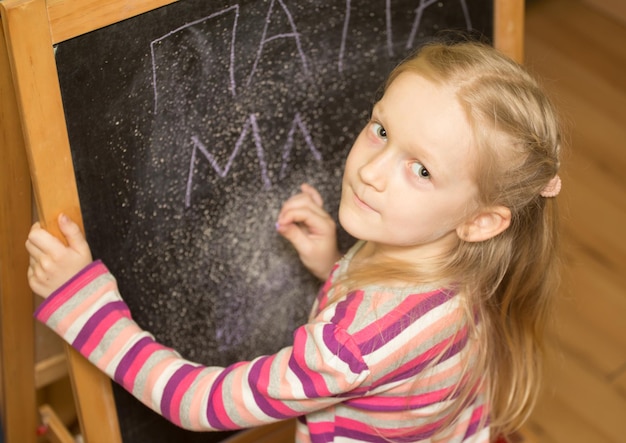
[(414, 82), (419, 103), (428, 119)]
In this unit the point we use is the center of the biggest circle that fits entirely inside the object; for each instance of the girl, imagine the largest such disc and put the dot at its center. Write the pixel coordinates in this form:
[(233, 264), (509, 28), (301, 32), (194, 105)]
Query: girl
[(429, 328)]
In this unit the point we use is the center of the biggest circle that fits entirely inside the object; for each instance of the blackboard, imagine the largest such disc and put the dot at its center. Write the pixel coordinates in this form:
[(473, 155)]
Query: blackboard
[(192, 123)]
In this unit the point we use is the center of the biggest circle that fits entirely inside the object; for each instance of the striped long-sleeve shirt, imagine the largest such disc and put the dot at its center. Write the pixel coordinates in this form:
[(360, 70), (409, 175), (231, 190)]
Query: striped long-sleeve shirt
[(378, 365)]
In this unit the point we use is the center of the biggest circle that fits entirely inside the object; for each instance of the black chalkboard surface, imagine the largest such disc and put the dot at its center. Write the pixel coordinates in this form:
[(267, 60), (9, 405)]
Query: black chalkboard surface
[(192, 123)]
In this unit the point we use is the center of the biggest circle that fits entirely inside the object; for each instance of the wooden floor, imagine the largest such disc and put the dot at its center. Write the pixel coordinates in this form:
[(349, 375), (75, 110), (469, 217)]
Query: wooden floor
[(581, 55)]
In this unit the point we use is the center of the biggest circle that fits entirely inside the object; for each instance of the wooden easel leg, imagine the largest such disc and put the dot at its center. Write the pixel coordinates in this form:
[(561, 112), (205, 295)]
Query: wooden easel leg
[(56, 430), (508, 32), (18, 404)]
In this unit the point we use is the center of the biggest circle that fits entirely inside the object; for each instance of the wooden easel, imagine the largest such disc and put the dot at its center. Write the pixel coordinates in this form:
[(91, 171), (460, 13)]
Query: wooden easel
[(29, 30), (34, 146)]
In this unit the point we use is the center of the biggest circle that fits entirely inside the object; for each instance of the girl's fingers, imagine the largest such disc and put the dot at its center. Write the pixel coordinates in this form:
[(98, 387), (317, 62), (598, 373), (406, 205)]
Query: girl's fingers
[(313, 194), (293, 233), (33, 251), (42, 241), (73, 234), (314, 221), (39, 247), (303, 201), (308, 196)]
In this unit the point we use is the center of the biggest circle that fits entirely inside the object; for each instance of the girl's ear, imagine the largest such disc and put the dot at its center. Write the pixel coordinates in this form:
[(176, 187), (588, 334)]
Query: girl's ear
[(488, 223)]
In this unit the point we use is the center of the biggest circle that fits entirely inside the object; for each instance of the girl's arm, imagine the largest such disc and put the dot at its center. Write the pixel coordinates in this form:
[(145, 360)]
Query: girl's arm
[(88, 312), (323, 363), (311, 230)]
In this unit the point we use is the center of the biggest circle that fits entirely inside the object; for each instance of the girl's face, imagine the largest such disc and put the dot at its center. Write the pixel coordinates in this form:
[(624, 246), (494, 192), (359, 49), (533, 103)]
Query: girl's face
[(408, 180)]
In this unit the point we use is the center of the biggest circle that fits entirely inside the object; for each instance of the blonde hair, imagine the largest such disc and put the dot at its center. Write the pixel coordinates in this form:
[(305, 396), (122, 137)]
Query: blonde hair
[(508, 281)]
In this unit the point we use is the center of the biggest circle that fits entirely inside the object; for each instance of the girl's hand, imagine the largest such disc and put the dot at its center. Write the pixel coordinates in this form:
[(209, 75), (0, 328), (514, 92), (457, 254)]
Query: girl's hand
[(310, 229), (51, 262)]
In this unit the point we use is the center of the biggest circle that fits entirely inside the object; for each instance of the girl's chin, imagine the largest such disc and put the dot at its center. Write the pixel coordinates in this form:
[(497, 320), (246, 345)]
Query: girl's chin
[(350, 223)]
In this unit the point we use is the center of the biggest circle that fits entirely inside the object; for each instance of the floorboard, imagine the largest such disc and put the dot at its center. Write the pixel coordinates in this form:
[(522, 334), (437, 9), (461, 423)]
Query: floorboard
[(580, 54)]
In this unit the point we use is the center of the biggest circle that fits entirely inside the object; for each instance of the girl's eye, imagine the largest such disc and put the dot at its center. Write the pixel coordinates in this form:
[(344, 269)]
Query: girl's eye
[(379, 131), (420, 170)]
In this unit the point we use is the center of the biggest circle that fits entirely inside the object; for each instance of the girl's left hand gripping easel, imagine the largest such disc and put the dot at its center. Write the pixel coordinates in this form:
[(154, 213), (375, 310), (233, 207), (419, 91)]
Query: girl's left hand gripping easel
[(35, 147)]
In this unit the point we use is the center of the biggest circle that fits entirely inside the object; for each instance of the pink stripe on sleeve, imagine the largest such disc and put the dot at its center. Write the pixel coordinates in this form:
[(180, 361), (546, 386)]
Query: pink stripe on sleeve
[(114, 348), (391, 319), (181, 389), (263, 385), (301, 361), (203, 384), (152, 378), (51, 304), (237, 380), (84, 306), (129, 377), (216, 403), (98, 333)]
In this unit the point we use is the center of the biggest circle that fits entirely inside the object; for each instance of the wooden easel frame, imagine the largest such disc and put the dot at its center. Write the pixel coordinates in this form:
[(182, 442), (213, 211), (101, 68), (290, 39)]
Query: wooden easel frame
[(35, 147)]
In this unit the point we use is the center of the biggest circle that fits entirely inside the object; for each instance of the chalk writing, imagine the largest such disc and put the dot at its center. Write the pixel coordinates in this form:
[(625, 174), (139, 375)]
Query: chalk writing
[(344, 35), (388, 27), (264, 39), (297, 122), (250, 125), (231, 68), (420, 11), (222, 172)]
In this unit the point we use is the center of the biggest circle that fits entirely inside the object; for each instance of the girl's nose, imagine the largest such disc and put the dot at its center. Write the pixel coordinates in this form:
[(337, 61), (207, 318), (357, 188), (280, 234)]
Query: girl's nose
[(375, 171)]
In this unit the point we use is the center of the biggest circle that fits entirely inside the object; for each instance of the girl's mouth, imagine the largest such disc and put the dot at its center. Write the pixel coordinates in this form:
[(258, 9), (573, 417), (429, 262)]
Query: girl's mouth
[(361, 204)]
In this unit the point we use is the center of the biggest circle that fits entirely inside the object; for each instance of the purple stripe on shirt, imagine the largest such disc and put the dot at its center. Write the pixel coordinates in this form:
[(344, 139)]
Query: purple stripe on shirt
[(410, 369), (409, 317), (471, 429), (322, 437), (340, 349), (212, 418), (358, 435), (170, 389), (259, 399), (95, 320), (477, 420), (129, 359), (344, 306), (307, 384)]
